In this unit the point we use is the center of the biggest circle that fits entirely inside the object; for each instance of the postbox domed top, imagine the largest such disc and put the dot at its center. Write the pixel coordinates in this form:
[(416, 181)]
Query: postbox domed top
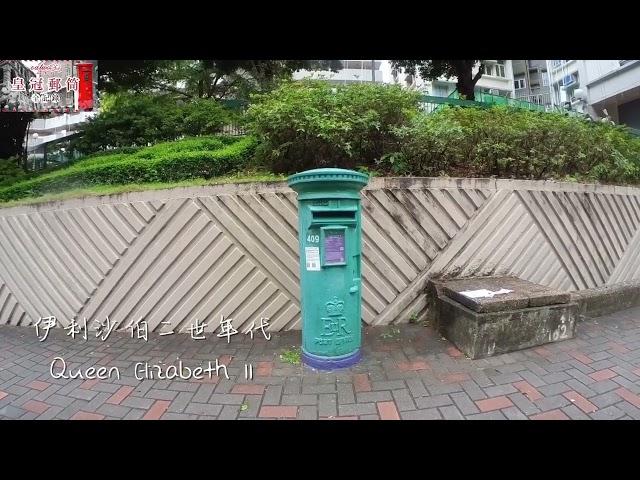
[(328, 179)]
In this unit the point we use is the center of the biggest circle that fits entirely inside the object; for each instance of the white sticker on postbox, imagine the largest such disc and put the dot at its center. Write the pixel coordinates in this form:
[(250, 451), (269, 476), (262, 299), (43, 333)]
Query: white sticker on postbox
[(312, 258)]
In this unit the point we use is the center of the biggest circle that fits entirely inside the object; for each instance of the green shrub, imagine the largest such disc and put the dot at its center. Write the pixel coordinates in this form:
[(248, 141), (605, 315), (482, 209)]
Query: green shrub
[(513, 143), (112, 151), (171, 162), (129, 120), (10, 170), (205, 117), (313, 124), (163, 150)]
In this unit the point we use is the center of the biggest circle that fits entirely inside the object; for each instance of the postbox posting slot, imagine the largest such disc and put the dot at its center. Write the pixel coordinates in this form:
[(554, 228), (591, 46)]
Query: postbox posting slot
[(333, 246), (324, 216)]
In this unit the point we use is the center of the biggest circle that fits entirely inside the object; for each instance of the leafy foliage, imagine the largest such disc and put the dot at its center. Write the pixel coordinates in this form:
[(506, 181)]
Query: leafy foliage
[(10, 170), (137, 120), (132, 75), (202, 78), (312, 124), (512, 143), (13, 127), (434, 69), (372, 128), (292, 356), (170, 162)]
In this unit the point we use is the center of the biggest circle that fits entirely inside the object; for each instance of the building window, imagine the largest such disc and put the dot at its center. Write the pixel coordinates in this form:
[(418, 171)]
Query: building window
[(495, 70), (545, 80), (568, 80), (519, 83)]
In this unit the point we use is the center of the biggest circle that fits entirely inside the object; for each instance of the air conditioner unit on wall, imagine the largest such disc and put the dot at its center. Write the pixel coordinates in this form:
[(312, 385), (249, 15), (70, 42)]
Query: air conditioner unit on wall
[(580, 94)]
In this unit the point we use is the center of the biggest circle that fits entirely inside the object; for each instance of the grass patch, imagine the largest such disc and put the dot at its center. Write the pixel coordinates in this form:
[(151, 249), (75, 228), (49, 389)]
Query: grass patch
[(99, 190), (292, 356), (188, 162)]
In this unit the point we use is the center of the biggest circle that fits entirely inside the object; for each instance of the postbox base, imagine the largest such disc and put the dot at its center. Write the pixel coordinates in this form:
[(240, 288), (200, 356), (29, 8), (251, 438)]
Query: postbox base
[(331, 363)]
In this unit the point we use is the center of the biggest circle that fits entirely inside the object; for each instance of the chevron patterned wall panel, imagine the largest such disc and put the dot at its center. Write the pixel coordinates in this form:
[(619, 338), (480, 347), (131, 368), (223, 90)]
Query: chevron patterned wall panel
[(231, 252)]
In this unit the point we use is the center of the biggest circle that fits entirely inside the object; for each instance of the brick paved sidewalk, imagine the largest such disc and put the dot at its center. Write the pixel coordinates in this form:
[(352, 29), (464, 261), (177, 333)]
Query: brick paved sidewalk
[(408, 372)]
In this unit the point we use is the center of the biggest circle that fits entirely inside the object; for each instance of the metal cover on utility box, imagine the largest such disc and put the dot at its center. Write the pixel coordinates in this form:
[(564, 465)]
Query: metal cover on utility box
[(524, 294)]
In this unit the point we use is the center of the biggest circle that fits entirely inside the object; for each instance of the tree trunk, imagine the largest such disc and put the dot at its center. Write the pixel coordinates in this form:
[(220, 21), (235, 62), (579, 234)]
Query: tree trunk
[(465, 87), (466, 80)]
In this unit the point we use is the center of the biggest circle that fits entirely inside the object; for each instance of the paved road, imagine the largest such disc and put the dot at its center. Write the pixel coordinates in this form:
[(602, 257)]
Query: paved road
[(407, 373)]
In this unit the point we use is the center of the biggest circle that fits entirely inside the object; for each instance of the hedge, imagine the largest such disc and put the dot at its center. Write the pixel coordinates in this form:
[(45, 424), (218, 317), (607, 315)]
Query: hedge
[(510, 143), (129, 119), (381, 129), (171, 162), (311, 124)]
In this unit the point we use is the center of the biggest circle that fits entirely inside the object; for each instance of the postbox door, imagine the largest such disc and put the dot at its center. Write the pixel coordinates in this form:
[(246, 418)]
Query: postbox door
[(330, 254)]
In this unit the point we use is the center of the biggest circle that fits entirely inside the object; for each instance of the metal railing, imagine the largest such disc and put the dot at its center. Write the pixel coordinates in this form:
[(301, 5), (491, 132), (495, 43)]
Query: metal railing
[(235, 128), (491, 99), (431, 103), (482, 100), (537, 98)]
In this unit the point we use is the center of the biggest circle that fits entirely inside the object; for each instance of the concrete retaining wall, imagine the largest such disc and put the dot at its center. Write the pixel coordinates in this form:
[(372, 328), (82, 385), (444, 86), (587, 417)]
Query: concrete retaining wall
[(202, 252)]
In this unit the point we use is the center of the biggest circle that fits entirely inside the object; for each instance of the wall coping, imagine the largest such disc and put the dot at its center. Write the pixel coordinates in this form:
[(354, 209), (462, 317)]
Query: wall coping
[(281, 187)]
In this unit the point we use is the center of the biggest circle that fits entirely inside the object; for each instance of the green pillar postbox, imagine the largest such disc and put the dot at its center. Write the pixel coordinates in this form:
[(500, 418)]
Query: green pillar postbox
[(330, 250)]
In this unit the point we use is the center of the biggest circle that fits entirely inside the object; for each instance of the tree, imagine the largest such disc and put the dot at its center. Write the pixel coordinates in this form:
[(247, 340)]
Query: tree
[(434, 69), (13, 129), (190, 79), (137, 119), (13, 124), (131, 75)]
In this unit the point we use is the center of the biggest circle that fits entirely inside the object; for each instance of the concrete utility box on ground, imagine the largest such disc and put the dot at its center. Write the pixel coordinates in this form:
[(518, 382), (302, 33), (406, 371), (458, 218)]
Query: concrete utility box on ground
[(482, 323), (330, 250)]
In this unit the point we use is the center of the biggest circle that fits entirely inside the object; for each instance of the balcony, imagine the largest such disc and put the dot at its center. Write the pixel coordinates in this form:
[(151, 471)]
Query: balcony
[(65, 121), (538, 99)]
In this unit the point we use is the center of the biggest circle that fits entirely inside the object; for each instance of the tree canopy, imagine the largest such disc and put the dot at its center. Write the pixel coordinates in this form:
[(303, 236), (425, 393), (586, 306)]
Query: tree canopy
[(201, 78), (183, 79), (434, 69)]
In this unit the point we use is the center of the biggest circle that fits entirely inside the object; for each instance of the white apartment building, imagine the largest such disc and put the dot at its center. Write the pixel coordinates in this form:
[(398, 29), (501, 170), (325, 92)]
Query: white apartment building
[(599, 88), (531, 81), (497, 80)]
